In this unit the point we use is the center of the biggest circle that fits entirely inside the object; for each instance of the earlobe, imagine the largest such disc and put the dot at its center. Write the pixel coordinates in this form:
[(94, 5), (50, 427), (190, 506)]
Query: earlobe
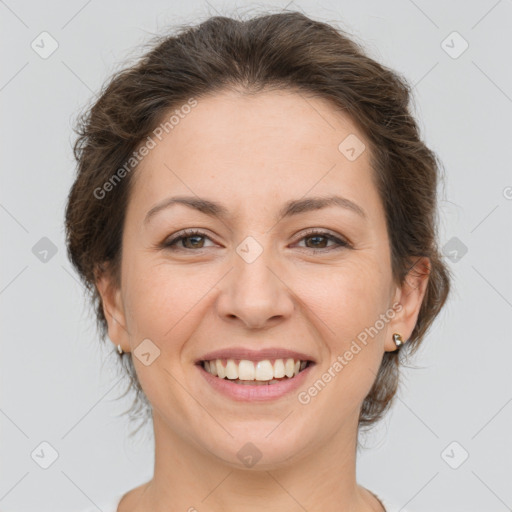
[(410, 297), (113, 309)]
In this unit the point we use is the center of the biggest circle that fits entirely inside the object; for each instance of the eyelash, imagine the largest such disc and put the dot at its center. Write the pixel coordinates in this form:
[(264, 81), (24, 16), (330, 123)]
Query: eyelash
[(309, 234)]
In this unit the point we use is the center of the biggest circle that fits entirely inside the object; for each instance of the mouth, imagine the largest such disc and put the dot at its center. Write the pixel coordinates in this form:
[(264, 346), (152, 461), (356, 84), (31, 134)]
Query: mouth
[(248, 375), (246, 372)]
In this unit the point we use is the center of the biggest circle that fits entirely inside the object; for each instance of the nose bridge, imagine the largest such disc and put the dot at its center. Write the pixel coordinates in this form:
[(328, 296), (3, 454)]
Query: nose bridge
[(254, 292), (253, 262)]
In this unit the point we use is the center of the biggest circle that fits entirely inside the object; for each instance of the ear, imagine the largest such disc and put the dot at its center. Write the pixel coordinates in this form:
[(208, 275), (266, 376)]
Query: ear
[(113, 307), (408, 299)]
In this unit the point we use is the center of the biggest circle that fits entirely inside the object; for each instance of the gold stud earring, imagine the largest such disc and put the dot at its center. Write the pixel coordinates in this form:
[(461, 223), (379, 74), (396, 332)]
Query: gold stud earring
[(397, 338), (119, 349)]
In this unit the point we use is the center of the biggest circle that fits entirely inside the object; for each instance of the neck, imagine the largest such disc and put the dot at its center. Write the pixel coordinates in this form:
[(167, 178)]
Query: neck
[(189, 478)]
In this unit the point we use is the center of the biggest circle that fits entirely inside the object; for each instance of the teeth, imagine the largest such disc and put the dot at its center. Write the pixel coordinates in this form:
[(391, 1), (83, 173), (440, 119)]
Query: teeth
[(246, 370), (262, 371), (231, 369), (289, 367), (279, 368), (221, 372)]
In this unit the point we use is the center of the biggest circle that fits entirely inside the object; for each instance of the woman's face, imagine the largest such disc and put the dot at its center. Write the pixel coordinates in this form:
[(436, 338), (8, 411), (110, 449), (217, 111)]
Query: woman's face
[(256, 284)]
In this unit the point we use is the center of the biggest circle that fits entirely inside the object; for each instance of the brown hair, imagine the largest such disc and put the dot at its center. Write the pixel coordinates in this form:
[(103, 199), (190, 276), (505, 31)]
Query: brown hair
[(285, 50)]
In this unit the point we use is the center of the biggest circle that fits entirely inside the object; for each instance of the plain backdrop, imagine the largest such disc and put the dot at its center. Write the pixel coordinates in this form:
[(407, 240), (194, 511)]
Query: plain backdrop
[(445, 445)]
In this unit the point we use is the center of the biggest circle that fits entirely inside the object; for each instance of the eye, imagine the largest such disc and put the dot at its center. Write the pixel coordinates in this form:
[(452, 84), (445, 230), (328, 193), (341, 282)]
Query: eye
[(320, 238), (191, 235), (191, 240)]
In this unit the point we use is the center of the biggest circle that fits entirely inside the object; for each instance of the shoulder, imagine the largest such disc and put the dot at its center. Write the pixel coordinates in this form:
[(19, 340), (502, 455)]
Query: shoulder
[(108, 505)]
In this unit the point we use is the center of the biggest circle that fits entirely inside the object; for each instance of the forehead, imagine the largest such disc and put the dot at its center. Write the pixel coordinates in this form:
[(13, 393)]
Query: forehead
[(267, 146)]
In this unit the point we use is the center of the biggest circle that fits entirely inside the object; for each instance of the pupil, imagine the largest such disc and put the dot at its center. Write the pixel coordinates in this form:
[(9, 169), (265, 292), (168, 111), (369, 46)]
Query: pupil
[(194, 237), (317, 238)]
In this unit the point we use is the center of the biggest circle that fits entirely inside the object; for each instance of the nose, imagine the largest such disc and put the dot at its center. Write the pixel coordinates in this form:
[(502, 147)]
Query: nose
[(255, 294)]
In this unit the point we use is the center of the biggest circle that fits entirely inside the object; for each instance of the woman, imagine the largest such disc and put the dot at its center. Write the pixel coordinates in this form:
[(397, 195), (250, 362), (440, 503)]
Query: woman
[(254, 215)]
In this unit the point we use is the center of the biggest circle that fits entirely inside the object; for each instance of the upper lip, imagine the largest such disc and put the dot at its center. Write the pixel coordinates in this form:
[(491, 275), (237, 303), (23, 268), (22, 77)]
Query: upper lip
[(254, 355)]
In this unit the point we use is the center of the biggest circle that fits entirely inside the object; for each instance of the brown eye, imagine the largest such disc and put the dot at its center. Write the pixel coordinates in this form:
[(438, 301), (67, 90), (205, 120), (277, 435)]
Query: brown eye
[(194, 241), (320, 239), (191, 240)]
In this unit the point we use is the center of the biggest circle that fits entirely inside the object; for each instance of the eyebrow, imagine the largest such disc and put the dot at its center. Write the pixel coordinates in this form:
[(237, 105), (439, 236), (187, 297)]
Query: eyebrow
[(291, 208)]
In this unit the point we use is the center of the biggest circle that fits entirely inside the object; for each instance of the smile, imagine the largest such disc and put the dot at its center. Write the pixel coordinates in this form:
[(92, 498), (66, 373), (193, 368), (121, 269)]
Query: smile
[(263, 380), (255, 373)]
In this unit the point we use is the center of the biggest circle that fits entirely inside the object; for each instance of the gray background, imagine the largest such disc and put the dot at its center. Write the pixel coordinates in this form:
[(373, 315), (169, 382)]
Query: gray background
[(59, 386)]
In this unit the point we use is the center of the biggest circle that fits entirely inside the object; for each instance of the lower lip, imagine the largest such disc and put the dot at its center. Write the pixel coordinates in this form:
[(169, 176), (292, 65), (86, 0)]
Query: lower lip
[(252, 393)]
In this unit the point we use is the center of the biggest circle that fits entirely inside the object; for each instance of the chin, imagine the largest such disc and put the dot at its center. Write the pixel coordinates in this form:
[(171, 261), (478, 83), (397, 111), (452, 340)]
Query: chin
[(258, 445)]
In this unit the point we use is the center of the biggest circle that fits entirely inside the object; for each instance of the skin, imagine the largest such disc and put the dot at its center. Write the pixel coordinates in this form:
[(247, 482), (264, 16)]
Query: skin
[(254, 153)]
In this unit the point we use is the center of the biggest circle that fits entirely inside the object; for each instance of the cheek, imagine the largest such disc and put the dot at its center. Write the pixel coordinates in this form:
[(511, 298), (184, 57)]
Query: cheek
[(348, 298), (161, 299), (161, 304), (347, 305)]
